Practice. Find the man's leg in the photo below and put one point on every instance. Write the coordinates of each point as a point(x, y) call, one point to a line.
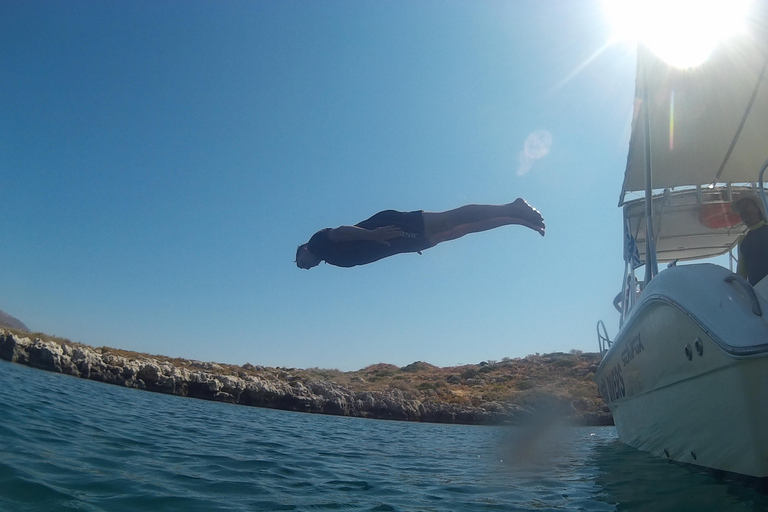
point(452, 224)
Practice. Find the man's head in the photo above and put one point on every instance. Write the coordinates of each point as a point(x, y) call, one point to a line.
point(748, 209)
point(305, 259)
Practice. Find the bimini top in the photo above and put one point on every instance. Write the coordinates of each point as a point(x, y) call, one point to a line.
point(707, 124)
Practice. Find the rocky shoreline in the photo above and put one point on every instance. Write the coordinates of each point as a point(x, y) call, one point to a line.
point(294, 390)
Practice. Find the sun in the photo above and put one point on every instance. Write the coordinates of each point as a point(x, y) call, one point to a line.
point(681, 32)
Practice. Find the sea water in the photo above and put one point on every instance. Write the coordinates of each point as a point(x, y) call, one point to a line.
point(69, 444)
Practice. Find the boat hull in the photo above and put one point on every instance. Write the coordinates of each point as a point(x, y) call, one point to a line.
point(687, 376)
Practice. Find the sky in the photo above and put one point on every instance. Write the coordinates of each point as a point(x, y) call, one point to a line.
point(161, 161)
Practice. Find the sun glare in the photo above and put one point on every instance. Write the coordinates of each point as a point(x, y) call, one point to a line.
point(682, 32)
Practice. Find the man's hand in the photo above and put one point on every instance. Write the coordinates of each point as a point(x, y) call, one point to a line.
point(384, 233)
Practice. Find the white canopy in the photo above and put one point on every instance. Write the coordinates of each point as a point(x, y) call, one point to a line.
point(708, 129)
point(708, 124)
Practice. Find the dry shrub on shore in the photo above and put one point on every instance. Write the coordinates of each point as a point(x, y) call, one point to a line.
point(511, 380)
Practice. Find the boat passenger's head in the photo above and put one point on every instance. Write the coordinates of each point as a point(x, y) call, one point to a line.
point(748, 209)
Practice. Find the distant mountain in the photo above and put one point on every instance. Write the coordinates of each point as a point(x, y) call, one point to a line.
point(7, 320)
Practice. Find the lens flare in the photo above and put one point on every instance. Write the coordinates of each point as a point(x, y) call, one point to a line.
point(681, 32)
point(672, 121)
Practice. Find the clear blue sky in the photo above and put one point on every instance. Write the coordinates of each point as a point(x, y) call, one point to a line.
point(161, 161)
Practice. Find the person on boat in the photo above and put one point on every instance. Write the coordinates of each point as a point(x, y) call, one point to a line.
point(391, 232)
point(753, 247)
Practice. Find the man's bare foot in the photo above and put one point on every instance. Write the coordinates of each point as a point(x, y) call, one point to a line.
point(527, 215)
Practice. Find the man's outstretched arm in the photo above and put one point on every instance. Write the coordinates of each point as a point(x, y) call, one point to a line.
point(349, 233)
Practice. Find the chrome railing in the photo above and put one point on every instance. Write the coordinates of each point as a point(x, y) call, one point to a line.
point(603, 341)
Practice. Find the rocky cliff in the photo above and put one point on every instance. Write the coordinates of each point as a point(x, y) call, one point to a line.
point(430, 394)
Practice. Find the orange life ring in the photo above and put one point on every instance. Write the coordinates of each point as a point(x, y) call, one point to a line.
point(718, 216)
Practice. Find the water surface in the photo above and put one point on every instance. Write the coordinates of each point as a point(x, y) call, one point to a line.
point(72, 444)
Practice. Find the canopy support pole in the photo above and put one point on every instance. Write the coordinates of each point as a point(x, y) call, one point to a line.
point(762, 189)
point(651, 265)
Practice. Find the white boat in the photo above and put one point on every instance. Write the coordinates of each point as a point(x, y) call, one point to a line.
point(686, 376)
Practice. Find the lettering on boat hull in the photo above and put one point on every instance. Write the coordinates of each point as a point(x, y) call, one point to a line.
point(612, 385)
point(633, 348)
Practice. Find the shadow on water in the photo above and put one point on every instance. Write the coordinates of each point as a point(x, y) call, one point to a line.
point(605, 474)
point(637, 481)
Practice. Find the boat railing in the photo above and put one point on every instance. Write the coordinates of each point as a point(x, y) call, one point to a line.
point(762, 187)
point(604, 342)
point(629, 294)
